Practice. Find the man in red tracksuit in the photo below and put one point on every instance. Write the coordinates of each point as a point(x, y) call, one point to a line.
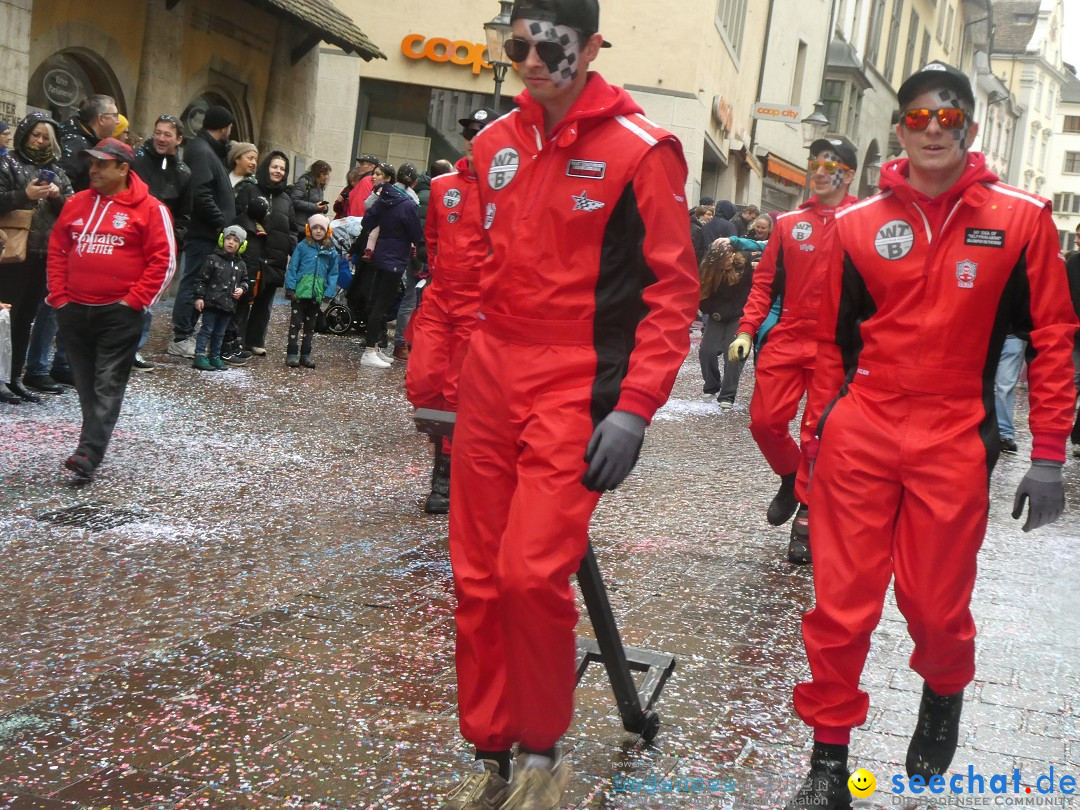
point(926, 280)
point(457, 245)
point(792, 268)
point(585, 308)
point(111, 255)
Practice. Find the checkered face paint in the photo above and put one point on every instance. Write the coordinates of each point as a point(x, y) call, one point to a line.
point(836, 179)
point(950, 99)
point(565, 70)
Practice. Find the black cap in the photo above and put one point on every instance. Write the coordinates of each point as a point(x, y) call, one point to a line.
point(842, 146)
point(936, 75)
point(367, 158)
point(482, 116)
point(581, 15)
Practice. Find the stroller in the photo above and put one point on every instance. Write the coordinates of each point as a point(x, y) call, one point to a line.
point(338, 317)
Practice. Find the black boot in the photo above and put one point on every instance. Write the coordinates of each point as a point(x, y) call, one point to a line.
point(934, 741)
point(783, 504)
point(17, 388)
point(826, 786)
point(8, 396)
point(438, 500)
point(798, 550)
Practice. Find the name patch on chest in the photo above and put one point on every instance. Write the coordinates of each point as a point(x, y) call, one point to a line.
point(984, 237)
point(589, 169)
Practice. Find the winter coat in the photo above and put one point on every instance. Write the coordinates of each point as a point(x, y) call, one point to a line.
point(16, 173)
point(278, 239)
point(213, 204)
point(74, 138)
point(169, 179)
point(306, 196)
point(396, 217)
point(718, 226)
point(313, 270)
point(219, 276)
point(727, 300)
point(107, 249)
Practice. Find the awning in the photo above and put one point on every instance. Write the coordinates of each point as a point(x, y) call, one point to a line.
point(752, 162)
point(327, 23)
point(782, 169)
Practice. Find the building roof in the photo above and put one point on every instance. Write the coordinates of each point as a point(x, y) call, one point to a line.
point(1070, 91)
point(1014, 25)
point(328, 22)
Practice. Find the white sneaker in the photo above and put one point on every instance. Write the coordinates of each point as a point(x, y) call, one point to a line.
point(258, 351)
point(384, 356)
point(182, 348)
point(725, 405)
point(373, 359)
point(538, 784)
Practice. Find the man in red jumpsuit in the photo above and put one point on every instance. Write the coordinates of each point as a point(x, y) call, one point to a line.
point(926, 280)
point(457, 246)
point(793, 267)
point(585, 309)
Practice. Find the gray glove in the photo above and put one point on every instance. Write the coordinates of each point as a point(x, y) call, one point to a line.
point(1044, 490)
point(613, 450)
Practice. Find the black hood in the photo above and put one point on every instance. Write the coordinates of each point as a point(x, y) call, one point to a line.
point(725, 209)
point(22, 131)
point(262, 174)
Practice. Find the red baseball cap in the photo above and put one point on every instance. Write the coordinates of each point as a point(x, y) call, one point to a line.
point(111, 149)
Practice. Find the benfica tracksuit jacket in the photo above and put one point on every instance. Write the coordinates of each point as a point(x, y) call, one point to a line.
point(793, 266)
point(439, 332)
point(585, 306)
point(920, 296)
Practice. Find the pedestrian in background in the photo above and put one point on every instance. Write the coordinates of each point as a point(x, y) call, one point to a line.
point(111, 255)
point(310, 280)
point(726, 277)
point(308, 194)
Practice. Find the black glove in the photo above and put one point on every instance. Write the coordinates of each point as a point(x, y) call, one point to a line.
point(1044, 490)
point(613, 450)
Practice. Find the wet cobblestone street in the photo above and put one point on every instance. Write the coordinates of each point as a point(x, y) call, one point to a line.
point(247, 608)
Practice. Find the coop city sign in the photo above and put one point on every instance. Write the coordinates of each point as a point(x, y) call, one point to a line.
point(440, 49)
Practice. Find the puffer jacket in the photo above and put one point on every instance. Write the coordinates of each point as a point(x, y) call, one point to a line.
point(74, 138)
point(395, 215)
point(306, 196)
point(278, 239)
point(16, 173)
point(313, 270)
point(219, 276)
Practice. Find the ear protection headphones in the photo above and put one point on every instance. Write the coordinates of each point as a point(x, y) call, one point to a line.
point(329, 231)
point(221, 244)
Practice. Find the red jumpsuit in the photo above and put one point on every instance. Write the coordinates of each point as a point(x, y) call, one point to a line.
point(457, 245)
point(792, 266)
point(920, 296)
point(585, 307)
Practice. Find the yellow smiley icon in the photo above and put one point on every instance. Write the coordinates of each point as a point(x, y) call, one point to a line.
point(861, 783)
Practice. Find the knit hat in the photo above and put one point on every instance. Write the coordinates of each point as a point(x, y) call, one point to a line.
point(318, 219)
point(121, 126)
point(4, 126)
point(238, 148)
point(217, 117)
point(235, 231)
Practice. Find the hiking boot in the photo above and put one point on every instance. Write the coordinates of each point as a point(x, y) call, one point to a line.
point(934, 741)
point(1008, 445)
point(202, 363)
point(218, 363)
point(80, 464)
point(826, 786)
point(139, 364)
point(184, 347)
point(42, 383)
point(438, 500)
point(306, 361)
point(401, 352)
point(482, 789)
point(538, 783)
point(798, 550)
point(783, 504)
point(292, 360)
point(373, 359)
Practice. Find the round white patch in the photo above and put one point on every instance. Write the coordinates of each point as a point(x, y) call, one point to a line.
point(894, 240)
point(480, 115)
point(503, 168)
point(489, 215)
point(451, 198)
point(801, 231)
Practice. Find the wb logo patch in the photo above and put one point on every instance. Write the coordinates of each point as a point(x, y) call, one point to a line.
point(894, 240)
point(503, 168)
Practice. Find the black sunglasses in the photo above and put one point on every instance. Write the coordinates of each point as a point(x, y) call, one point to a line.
point(469, 134)
point(550, 53)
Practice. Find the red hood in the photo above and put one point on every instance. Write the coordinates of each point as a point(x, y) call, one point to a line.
point(597, 100)
point(464, 168)
point(894, 177)
point(134, 194)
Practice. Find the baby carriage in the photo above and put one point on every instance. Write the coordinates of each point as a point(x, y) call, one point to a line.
point(338, 317)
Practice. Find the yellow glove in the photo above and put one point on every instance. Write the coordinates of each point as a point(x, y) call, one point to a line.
point(740, 347)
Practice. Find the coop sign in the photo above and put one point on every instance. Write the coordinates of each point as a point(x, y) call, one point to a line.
point(440, 49)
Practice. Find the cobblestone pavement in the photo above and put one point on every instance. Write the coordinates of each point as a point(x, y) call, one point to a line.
point(247, 609)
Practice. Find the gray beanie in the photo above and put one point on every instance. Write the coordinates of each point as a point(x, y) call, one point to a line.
point(237, 231)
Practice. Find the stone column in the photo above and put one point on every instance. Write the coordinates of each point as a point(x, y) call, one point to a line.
point(288, 120)
point(160, 85)
point(14, 58)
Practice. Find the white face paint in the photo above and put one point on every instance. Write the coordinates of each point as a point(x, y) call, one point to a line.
point(565, 70)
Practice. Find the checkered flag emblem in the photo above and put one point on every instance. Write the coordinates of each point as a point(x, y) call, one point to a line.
point(564, 69)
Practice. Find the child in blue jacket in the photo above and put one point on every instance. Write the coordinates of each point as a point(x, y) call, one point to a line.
point(310, 279)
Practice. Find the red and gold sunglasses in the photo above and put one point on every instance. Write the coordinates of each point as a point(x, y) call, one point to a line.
point(948, 117)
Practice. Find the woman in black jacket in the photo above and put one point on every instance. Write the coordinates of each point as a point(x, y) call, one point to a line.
point(30, 179)
point(275, 243)
point(308, 194)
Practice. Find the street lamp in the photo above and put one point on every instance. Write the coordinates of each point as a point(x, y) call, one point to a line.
point(497, 31)
point(873, 172)
point(815, 125)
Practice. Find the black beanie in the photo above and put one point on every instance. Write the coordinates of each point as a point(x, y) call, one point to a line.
point(217, 117)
